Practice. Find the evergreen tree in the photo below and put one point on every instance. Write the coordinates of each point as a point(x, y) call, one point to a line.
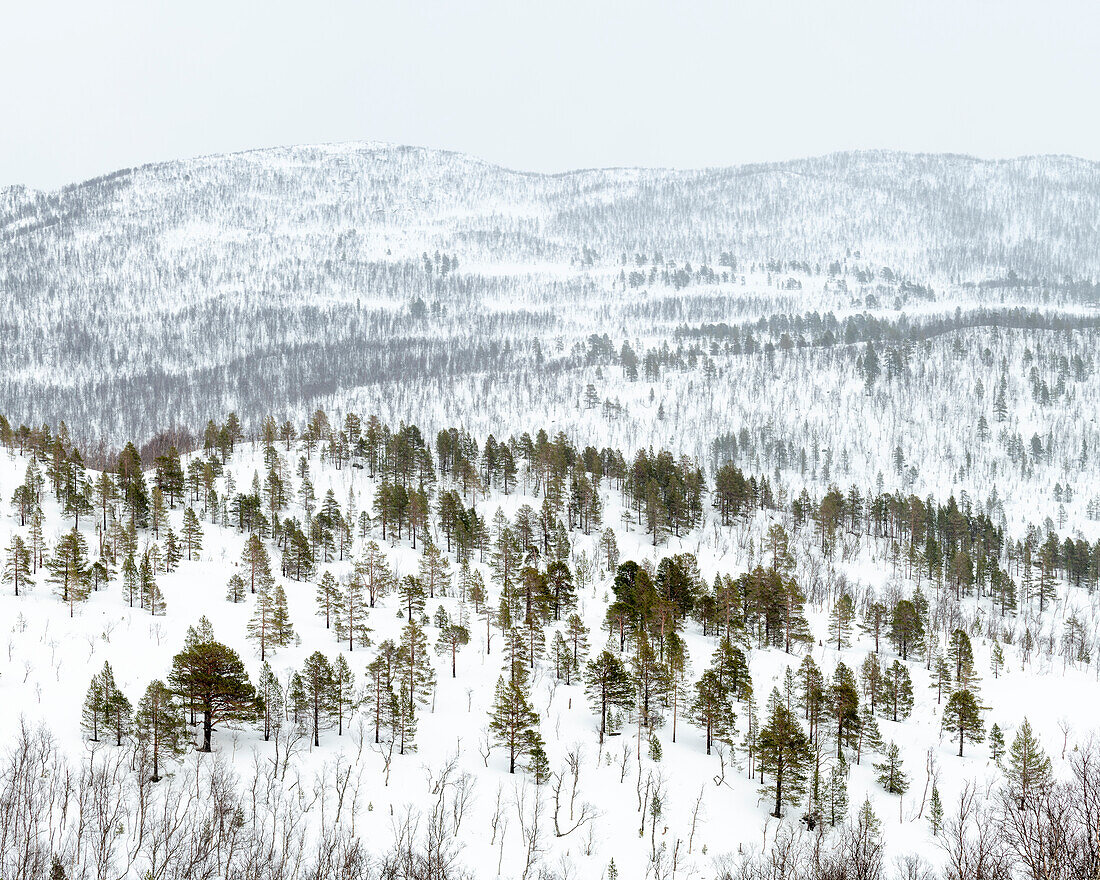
point(840, 622)
point(159, 728)
point(1029, 770)
point(344, 701)
point(906, 628)
point(172, 553)
point(282, 631)
point(414, 667)
point(106, 708)
point(17, 565)
point(609, 687)
point(562, 657)
point(962, 718)
point(257, 564)
point(899, 691)
point(961, 656)
point(577, 636)
point(513, 723)
point(711, 708)
point(941, 677)
point(92, 720)
point(935, 812)
point(329, 598)
point(411, 591)
point(234, 589)
point(379, 694)
point(269, 694)
point(997, 659)
point(261, 624)
point(844, 705)
point(191, 534)
point(315, 694)
point(435, 571)
point(996, 744)
point(213, 680)
point(452, 637)
point(351, 624)
point(68, 569)
point(870, 738)
point(836, 793)
point(784, 753)
point(151, 596)
point(889, 772)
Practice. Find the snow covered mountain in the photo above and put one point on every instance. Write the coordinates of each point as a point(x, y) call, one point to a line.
point(269, 280)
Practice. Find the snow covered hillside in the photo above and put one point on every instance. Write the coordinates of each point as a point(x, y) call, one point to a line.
point(274, 279)
point(530, 657)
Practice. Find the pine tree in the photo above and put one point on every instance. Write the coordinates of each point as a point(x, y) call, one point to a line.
point(844, 705)
point(329, 598)
point(172, 553)
point(235, 589)
point(836, 793)
point(906, 628)
point(935, 812)
point(403, 719)
point(106, 708)
point(381, 677)
point(840, 622)
point(961, 656)
point(711, 708)
point(997, 659)
point(576, 634)
point(899, 691)
point(414, 667)
point(191, 534)
point(1029, 770)
point(315, 695)
point(889, 772)
point(784, 753)
point(435, 571)
point(374, 573)
point(68, 569)
point(282, 630)
point(17, 566)
point(962, 718)
point(260, 625)
point(870, 738)
point(941, 677)
point(996, 744)
point(257, 565)
point(562, 657)
point(151, 596)
point(92, 720)
point(343, 692)
point(159, 728)
point(513, 723)
point(609, 687)
point(411, 591)
point(871, 681)
point(452, 637)
point(351, 624)
point(269, 694)
point(213, 680)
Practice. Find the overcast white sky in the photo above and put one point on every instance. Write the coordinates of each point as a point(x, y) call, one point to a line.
point(88, 86)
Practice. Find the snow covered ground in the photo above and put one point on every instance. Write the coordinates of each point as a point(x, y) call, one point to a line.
point(49, 658)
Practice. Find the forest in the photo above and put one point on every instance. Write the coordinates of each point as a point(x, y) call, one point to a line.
point(326, 604)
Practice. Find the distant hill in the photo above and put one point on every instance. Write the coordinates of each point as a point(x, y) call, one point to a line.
point(205, 268)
